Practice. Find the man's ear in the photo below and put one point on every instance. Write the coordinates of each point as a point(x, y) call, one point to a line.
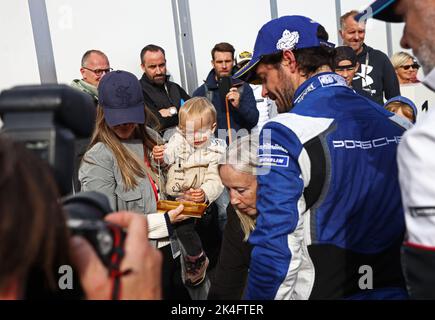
point(82, 71)
point(356, 66)
point(340, 32)
point(289, 59)
point(142, 66)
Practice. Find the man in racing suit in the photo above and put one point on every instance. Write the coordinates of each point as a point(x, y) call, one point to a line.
point(330, 220)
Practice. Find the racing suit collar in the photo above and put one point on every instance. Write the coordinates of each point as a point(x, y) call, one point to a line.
point(323, 79)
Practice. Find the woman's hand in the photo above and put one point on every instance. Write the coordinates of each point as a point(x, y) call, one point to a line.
point(158, 153)
point(175, 214)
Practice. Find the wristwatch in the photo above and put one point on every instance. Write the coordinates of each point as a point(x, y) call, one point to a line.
point(173, 110)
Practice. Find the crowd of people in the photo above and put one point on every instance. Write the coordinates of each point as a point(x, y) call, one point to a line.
point(306, 156)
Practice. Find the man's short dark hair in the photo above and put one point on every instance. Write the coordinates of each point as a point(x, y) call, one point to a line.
point(223, 47)
point(152, 48)
point(307, 59)
point(89, 52)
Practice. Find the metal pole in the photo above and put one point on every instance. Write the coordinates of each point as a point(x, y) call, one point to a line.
point(187, 43)
point(389, 40)
point(179, 44)
point(42, 39)
point(273, 9)
point(338, 15)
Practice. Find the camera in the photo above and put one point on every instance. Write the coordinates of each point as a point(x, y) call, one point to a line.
point(85, 217)
point(50, 120)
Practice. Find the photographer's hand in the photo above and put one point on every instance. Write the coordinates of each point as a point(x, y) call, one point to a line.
point(144, 261)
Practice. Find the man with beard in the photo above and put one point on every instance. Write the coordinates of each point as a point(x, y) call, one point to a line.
point(376, 76)
point(242, 112)
point(330, 221)
point(416, 152)
point(162, 97)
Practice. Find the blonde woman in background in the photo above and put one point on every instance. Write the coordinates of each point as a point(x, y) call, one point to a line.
point(238, 173)
point(406, 67)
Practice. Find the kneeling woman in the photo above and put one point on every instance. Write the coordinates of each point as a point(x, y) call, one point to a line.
point(238, 174)
point(117, 164)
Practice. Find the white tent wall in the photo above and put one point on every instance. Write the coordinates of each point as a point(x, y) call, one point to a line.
point(236, 22)
point(314, 9)
point(118, 28)
point(121, 29)
point(18, 63)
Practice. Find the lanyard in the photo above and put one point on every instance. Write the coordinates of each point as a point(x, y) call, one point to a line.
point(153, 184)
point(367, 67)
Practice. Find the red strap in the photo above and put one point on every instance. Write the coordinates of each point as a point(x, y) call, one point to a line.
point(153, 184)
point(419, 246)
point(114, 271)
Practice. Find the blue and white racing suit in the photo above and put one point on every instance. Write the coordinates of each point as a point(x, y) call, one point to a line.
point(330, 221)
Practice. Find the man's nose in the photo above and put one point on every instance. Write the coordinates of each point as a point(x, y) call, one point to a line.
point(264, 91)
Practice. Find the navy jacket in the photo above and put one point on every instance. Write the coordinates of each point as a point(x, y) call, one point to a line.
point(380, 76)
point(243, 117)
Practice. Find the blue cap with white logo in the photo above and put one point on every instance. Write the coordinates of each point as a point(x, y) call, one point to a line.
point(284, 33)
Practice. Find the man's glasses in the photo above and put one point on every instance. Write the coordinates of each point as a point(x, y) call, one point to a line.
point(413, 66)
point(99, 72)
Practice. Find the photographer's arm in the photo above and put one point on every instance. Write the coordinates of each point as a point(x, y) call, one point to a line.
point(144, 262)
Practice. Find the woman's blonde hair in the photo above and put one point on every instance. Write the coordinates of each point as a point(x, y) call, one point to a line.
point(129, 164)
point(242, 156)
point(400, 58)
point(197, 106)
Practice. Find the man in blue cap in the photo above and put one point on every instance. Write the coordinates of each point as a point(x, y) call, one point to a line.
point(330, 222)
point(415, 155)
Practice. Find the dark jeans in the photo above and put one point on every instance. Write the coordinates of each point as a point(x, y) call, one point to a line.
point(188, 237)
point(173, 287)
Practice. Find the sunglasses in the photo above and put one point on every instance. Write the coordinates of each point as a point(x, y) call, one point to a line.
point(413, 66)
point(343, 68)
point(99, 72)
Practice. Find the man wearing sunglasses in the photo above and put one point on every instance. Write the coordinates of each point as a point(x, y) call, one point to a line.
point(95, 65)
